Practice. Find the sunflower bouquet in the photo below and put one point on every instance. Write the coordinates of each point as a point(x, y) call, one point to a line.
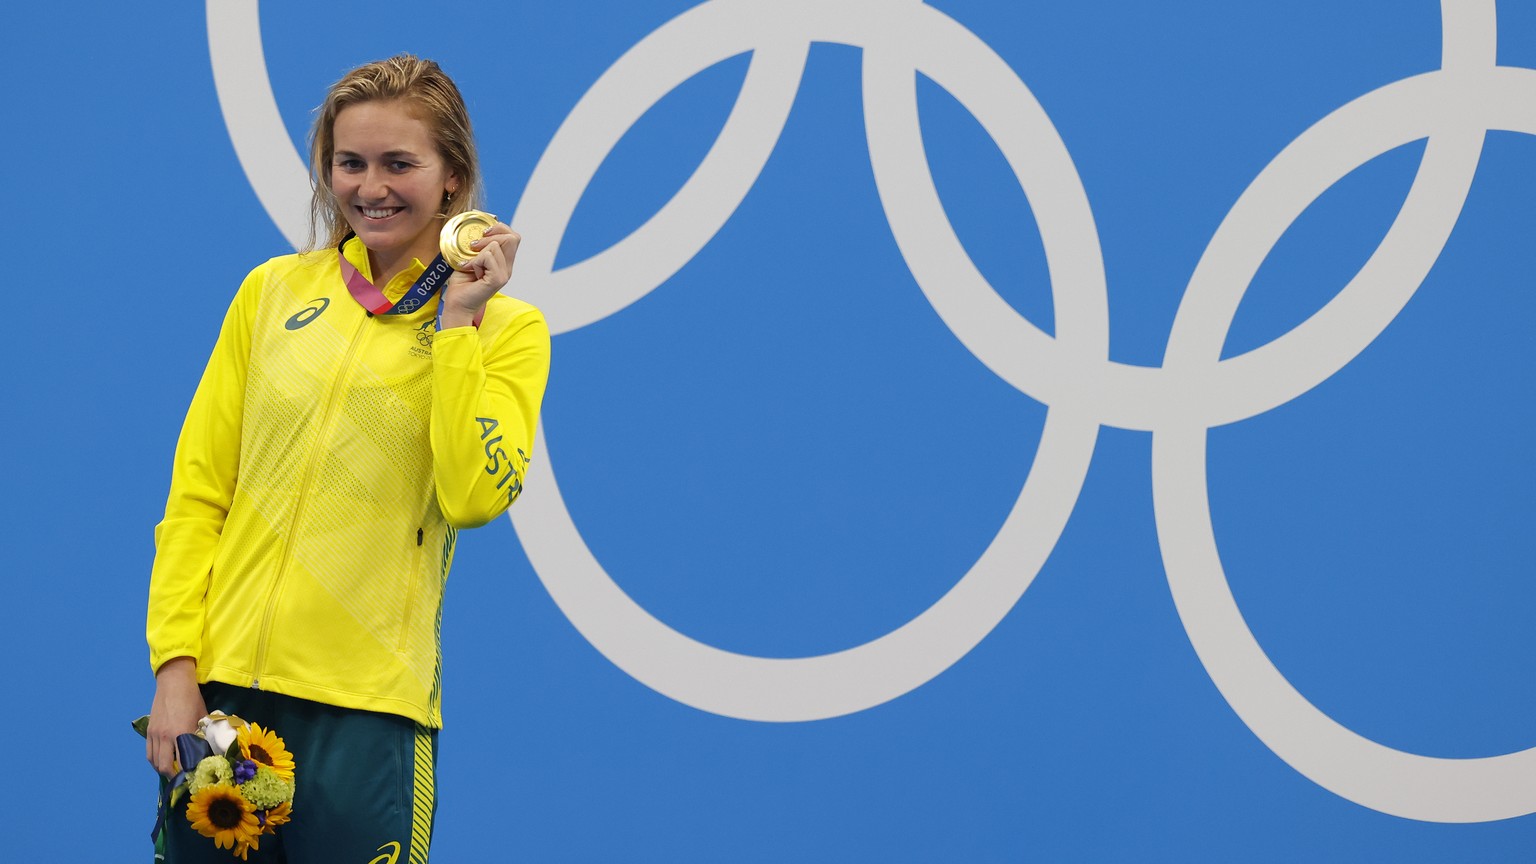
point(239, 779)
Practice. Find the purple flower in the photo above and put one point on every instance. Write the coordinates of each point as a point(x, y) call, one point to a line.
point(245, 769)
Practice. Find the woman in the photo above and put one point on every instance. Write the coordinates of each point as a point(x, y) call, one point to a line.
point(359, 408)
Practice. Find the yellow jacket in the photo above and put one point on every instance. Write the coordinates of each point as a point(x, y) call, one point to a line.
point(327, 460)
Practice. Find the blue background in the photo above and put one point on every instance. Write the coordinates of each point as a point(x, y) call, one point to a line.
point(782, 451)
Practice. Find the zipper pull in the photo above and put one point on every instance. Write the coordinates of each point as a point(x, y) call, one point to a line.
point(418, 536)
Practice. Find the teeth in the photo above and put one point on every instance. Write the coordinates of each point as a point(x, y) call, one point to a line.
point(379, 214)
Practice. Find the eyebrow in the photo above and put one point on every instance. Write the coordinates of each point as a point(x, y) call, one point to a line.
point(388, 154)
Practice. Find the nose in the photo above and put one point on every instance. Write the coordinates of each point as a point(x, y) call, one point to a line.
point(375, 186)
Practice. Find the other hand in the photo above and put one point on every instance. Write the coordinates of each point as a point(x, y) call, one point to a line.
point(177, 707)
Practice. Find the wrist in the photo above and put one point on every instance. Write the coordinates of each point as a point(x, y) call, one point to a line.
point(454, 316)
point(184, 668)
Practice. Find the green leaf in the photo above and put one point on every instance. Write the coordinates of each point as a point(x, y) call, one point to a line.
point(141, 726)
point(233, 754)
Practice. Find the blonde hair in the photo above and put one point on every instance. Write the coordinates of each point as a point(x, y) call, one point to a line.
point(426, 89)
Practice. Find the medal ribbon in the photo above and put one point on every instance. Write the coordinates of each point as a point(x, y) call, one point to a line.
point(371, 298)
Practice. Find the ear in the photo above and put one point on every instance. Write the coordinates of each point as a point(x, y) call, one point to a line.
point(453, 184)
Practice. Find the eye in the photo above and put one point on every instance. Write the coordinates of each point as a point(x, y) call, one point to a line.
point(398, 166)
point(348, 164)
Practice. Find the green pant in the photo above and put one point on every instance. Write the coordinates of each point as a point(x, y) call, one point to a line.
point(364, 792)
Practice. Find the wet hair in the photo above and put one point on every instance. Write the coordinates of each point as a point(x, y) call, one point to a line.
point(431, 97)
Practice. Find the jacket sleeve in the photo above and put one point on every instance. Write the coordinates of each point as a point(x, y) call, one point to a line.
point(485, 408)
point(203, 477)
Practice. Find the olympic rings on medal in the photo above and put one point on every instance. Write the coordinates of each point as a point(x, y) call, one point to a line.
point(1192, 391)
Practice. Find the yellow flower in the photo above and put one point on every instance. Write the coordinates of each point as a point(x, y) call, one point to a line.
point(221, 813)
point(265, 748)
point(277, 816)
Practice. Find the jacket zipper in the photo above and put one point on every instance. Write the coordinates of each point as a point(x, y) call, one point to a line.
point(321, 436)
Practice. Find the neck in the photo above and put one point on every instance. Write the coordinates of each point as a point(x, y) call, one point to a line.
point(385, 265)
point(386, 268)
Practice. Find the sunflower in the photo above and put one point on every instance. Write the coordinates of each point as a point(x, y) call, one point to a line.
point(277, 817)
point(221, 813)
point(263, 747)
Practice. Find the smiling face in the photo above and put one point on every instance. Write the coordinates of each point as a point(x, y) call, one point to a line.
point(389, 179)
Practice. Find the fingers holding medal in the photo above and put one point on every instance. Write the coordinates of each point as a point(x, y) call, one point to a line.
point(480, 248)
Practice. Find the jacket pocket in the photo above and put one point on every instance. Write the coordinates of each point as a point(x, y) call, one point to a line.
point(412, 587)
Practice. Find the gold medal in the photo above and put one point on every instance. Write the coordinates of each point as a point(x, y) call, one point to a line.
point(459, 232)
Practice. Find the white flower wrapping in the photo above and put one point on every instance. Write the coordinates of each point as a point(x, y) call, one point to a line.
point(218, 731)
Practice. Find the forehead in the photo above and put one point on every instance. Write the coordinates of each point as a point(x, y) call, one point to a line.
point(369, 127)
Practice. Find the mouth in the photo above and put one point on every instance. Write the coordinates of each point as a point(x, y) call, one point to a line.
point(378, 214)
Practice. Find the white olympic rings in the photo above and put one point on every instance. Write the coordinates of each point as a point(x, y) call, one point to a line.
point(1193, 391)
